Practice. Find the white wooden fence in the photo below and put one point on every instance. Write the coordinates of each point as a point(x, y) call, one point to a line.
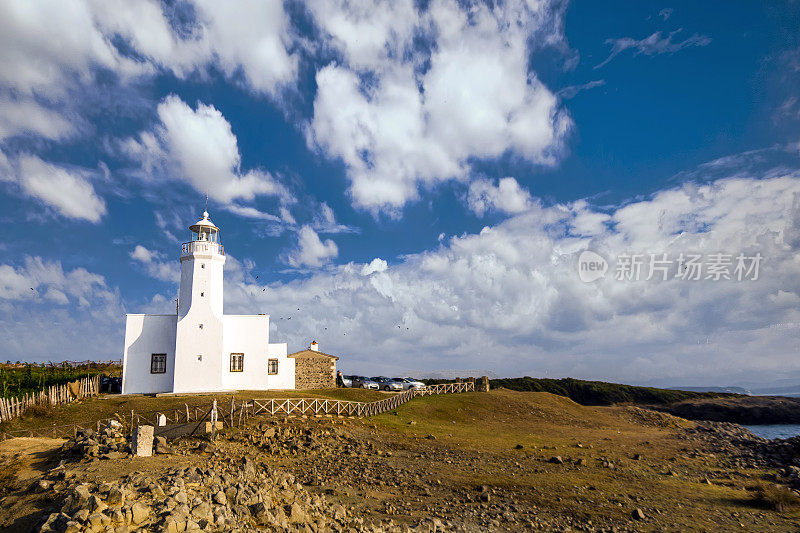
point(321, 406)
point(11, 408)
point(237, 414)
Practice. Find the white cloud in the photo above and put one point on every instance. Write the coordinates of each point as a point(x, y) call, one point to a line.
point(37, 276)
point(507, 197)
point(48, 313)
point(46, 43)
point(570, 92)
point(324, 221)
point(655, 44)
point(67, 191)
point(14, 285)
point(26, 116)
point(510, 298)
point(402, 119)
point(154, 264)
point(368, 34)
point(199, 147)
point(250, 37)
point(310, 250)
point(376, 265)
point(57, 53)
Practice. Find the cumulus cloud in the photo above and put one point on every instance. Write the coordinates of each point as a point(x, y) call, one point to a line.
point(376, 265)
point(403, 117)
point(67, 191)
point(510, 298)
point(154, 264)
point(198, 146)
point(653, 45)
point(37, 278)
point(311, 251)
point(49, 313)
point(506, 197)
point(57, 54)
point(48, 43)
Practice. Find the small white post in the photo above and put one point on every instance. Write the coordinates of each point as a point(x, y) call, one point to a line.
point(214, 419)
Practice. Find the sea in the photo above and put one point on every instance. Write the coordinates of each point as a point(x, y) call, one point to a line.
point(775, 431)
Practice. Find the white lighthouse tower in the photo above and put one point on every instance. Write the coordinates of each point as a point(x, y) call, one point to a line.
point(198, 343)
point(200, 349)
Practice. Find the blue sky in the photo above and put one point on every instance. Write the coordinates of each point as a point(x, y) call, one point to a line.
point(417, 178)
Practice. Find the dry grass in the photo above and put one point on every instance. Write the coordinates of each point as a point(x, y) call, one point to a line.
point(547, 425)
point(775, 497)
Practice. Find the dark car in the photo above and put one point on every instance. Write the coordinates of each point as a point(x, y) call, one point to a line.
point(110, 384)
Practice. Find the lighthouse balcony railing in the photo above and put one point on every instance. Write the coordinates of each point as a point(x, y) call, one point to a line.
point(192, 247)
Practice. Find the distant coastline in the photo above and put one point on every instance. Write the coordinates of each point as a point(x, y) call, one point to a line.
point(721, 405)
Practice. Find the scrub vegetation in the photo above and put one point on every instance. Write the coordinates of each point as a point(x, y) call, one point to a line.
point(17, 379)
point(596, 392)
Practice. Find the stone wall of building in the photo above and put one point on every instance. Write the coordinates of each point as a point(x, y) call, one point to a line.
point(314, 372)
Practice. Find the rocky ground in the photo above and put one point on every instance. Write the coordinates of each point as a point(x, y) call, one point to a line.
point(741, 449)
point(460, 464)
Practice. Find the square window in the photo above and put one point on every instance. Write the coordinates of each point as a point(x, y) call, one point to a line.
point(237, 362)
point(202, 265)
point(200, 357)
point(202, 294)
point(201, 326)
point(272, 367)
point(158, 363)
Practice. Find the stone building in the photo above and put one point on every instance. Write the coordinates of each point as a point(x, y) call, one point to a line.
point(314, 369)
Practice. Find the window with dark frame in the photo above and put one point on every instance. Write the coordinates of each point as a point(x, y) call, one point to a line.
point(237, 362)
point(158, 363)
point(272, 367)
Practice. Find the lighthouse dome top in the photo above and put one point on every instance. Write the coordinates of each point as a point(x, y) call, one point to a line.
point(204, 225)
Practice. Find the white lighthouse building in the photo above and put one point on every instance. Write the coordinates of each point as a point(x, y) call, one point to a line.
point(200, 349)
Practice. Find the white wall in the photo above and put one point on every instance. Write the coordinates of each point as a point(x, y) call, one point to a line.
point(144, 336)
point(285, 377)
point(247, 334)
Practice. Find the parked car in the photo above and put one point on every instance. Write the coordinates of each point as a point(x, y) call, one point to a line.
point(361, 382)
point(347, 381)
point(110, 384)
point(387, 384)
point(409, 383)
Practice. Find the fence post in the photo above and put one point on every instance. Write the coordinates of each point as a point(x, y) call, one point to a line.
point(214, 419)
